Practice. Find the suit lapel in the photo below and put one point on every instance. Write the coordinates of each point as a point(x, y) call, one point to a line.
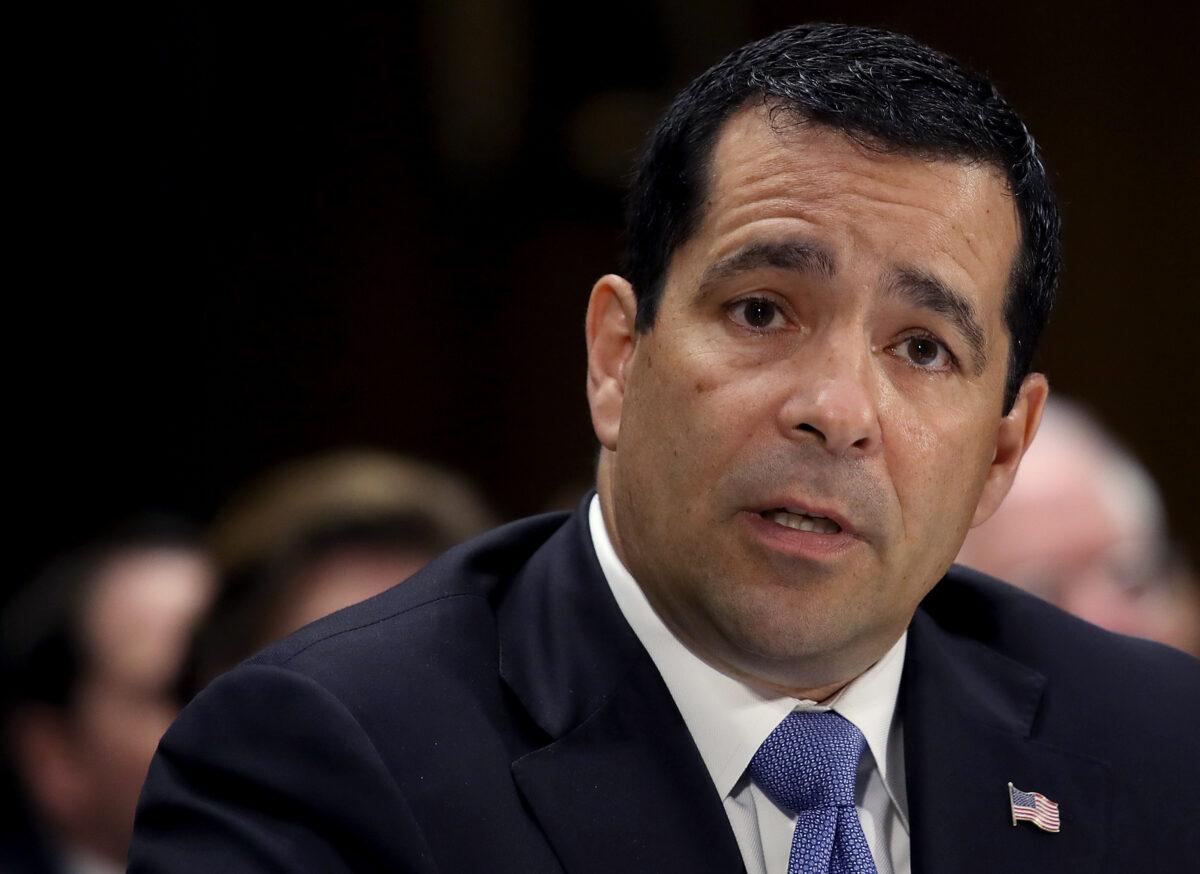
point(969, 728)
point(620, 785)
point(626, 790)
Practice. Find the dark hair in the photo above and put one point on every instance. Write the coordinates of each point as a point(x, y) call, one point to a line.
point(887, 91)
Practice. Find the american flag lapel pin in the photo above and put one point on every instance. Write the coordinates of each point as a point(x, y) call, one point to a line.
point(1033, 807)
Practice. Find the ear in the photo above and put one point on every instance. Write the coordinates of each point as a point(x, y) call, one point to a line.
point(611, 339)
point(1015, 433)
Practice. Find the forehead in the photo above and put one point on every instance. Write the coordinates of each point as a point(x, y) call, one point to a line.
point(771, 174)
point(142, 610)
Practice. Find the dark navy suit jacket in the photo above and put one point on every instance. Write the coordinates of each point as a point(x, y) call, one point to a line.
point(496, 713)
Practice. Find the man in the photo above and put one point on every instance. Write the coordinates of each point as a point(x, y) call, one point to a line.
point(1093, 534)
point(813, 378)
point(91, 651)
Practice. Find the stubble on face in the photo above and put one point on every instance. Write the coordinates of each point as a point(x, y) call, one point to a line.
point(773, 621)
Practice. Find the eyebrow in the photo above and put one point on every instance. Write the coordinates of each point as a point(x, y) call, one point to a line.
point(919, 287)
point(795, 255)
point(928, 292)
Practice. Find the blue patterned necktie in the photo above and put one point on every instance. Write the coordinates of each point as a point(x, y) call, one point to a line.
point(808, 765)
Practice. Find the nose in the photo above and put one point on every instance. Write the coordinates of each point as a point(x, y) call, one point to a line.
point(834, 400)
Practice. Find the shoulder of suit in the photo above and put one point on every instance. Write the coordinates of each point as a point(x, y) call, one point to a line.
point(1033, 632)
point(447, 605)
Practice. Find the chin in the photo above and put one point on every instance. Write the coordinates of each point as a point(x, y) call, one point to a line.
point(793, 647)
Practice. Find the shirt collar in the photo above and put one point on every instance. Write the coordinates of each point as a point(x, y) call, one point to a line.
point(728, 719)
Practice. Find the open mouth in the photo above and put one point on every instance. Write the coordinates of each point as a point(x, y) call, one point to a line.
point(801, 521)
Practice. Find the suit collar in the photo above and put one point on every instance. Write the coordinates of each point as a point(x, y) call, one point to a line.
point(619, 784)
point(564, 645)
point(970, 726)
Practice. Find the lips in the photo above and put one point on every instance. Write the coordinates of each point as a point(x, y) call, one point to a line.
point(800, 521)
point(799, 533)
point(807, 517)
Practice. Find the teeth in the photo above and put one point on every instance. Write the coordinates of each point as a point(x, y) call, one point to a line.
point(803, 522)
point(802, 513)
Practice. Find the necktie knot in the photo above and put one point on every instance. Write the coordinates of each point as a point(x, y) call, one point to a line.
point(810, 761)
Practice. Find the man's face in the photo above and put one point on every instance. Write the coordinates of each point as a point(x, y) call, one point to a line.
point(830, 343)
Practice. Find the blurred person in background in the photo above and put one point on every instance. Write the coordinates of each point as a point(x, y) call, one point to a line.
point(1084, 527)
point(91, 649)
point(316, 535)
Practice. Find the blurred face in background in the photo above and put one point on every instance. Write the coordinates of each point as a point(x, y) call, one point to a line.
point(143, 611)
point(1083, 529)
point(85, 767)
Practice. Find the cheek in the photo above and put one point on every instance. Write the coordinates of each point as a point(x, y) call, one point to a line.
point(938, 465)
point(692, 408)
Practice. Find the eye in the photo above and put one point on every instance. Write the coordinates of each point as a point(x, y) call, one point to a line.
point(757, 313)
point(925, 353)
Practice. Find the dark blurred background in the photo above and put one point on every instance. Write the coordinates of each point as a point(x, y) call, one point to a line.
point(251, 235)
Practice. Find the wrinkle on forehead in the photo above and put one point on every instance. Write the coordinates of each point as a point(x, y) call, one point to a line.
point(801, 171)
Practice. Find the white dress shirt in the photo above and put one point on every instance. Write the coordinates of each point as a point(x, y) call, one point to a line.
point(729, 721)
